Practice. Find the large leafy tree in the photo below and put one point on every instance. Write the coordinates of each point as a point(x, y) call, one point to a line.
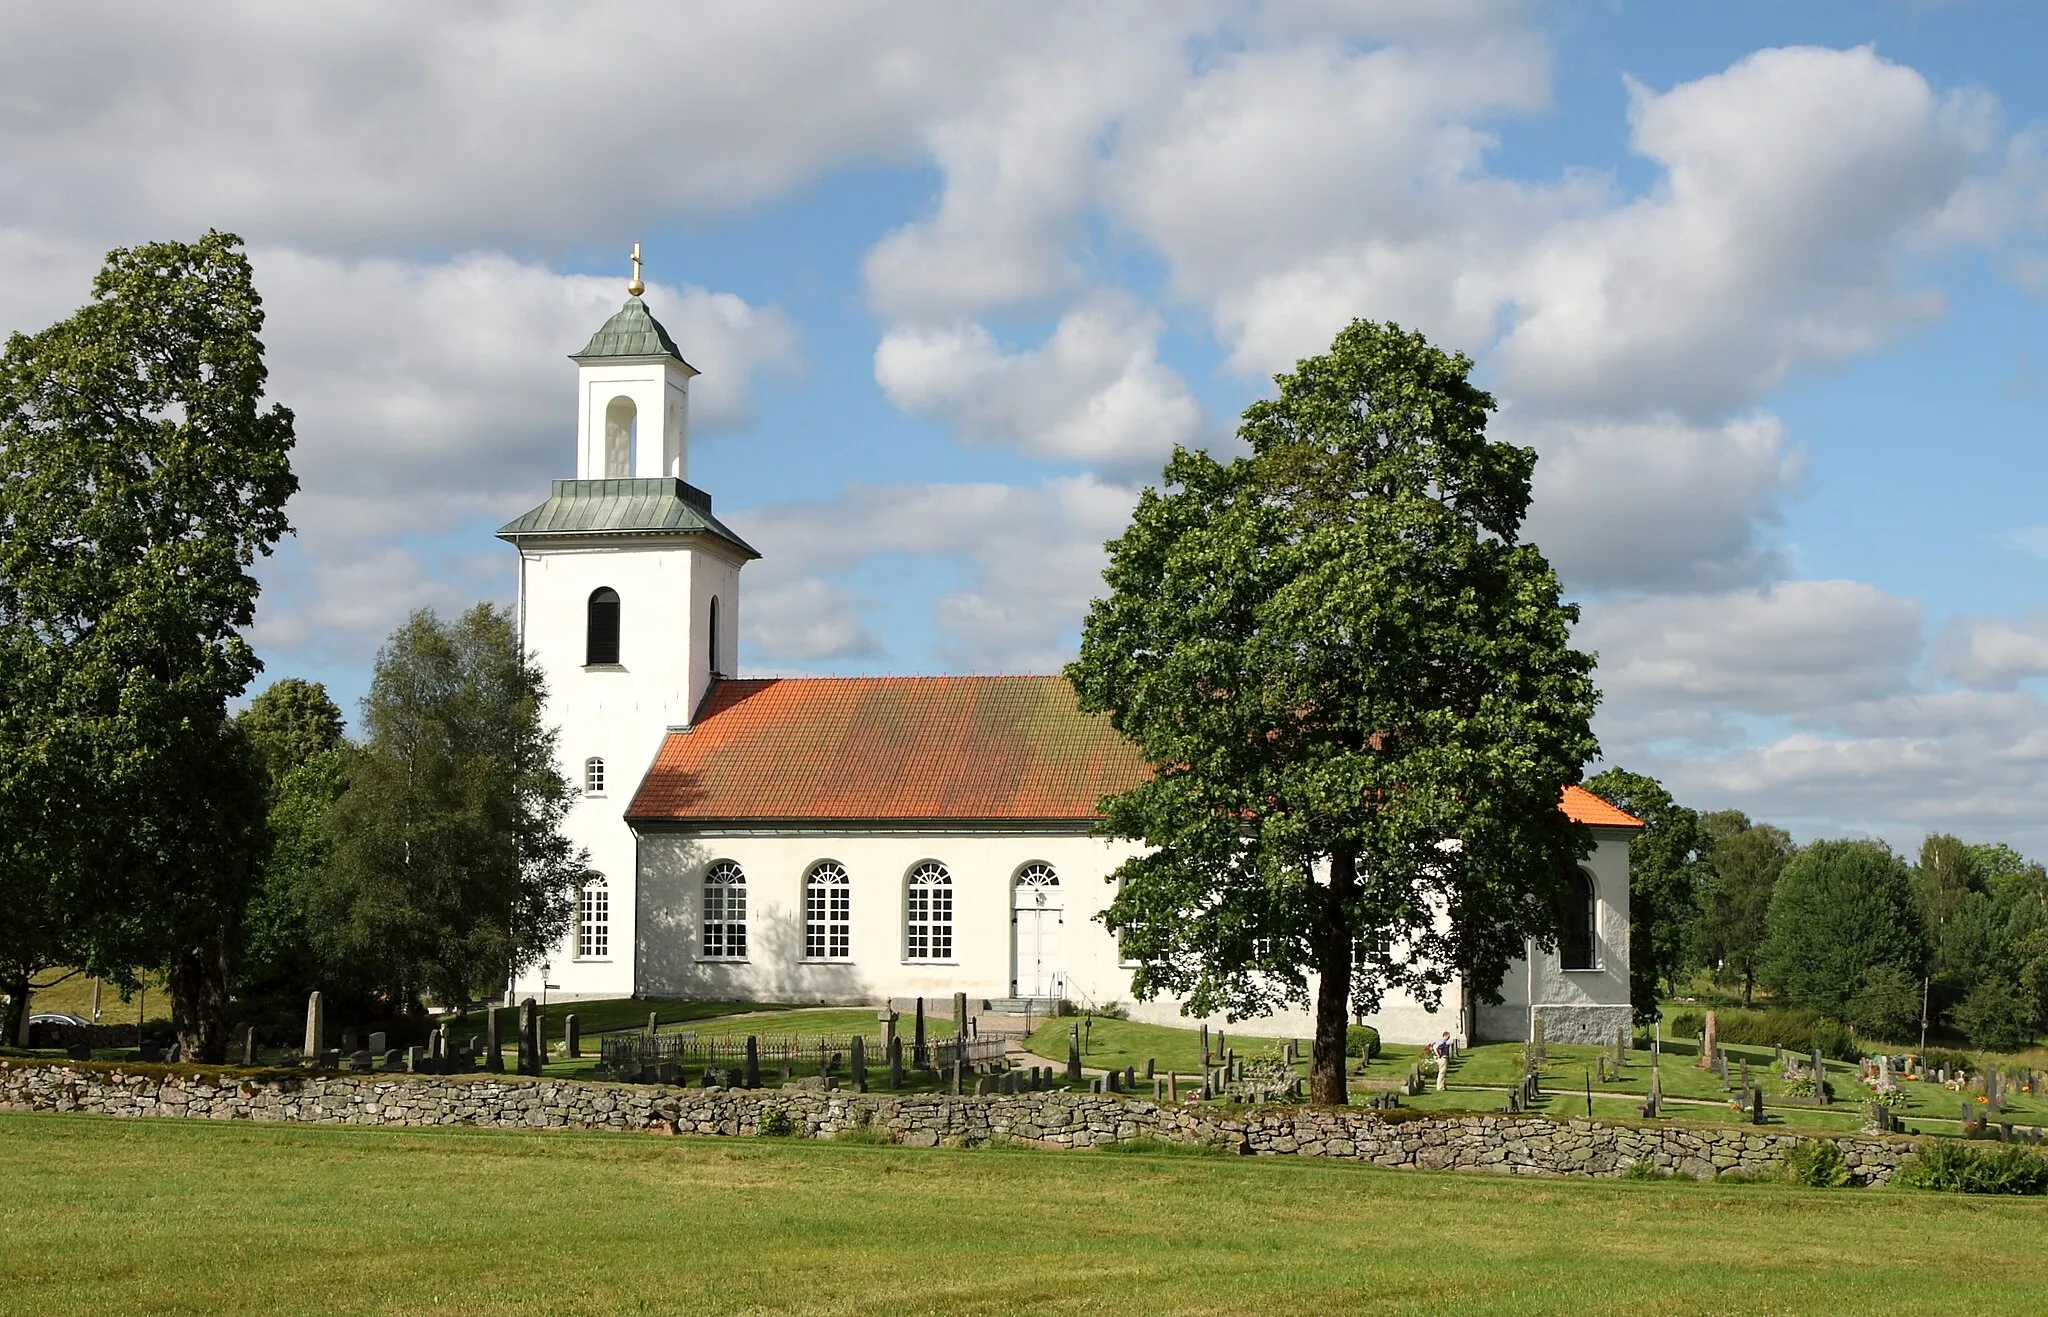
point(1357, 690)
point(1842, 909)
point(296, 731)
point(449, 867)
point(1744, 860)
point(1667, 867)
point(140, 478)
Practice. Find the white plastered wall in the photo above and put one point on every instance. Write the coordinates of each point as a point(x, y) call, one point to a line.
point(620, 713)
point(1541, 982)
point(659, 388)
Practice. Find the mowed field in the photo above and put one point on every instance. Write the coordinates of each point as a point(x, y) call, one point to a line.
point(175, 1217)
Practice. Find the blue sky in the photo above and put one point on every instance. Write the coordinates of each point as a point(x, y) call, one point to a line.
point(1764, 284)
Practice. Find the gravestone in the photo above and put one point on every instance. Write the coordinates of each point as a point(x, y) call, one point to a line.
point(960, 1019)
point(416, 1060)
point(249, 1045)
point(494, 1045)
point(1538, 1053)
point(752, 1074)
point(78, 1052)
point(394, 1059)
point(1710, 1038)
point(572, 1037)
point(378, 1043)
point(1205, 1047)
point(954, 1083)
point(1074, 1054)
point(1656, 1092)
point(1148, 1068)
point(1756, 1105)
point(1602, 1064)
point(360, 1060)
point(652, 1026)
point(886, 1017)
point(348, 1042)
point(530, 1054)
point(330, 1059)
point(1131, 1079)
point(1173, 1087)
point(1820, 1077)
point(1722, 1061)
point(1099, 1084)
point(1115, 1078)
point(316, 1026)
point(1745, 1076)
point(917, 1041)
point(859, 1049)
point(895, 1063)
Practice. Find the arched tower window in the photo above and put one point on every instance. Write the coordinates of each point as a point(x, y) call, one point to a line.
point(601, 637)
point(618, 438)
point(593, 776)
point(712, 643)
point(928, 912)
point(594, 919)
point(1575, 944)
point(725, 912)
point(828, 912)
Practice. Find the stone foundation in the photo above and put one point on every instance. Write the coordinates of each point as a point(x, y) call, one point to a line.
point(1597, 1026)
point(1504, 1145)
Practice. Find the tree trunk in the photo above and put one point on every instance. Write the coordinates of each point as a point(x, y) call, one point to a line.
point(199, 1002)
point(1332, 940)
point(14, 1031)
point(1748, 985)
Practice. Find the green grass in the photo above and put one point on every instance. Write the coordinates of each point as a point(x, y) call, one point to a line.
point(1114, 1044)
point(195, 1217)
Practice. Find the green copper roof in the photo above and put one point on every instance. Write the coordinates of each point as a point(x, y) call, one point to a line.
point(660, 506)
point(633, 332)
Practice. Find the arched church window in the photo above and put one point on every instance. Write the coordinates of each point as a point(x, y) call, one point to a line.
point(594, 919)
point(1575, 944)
point(618, 438)
point(828, 912)
point(712, 643)
point(601, 637)
point(1037, 875)
point(593, 776)
point(725, 912)
point(928, 921)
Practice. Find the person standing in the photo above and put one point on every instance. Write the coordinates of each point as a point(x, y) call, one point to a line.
point(1441, 1048)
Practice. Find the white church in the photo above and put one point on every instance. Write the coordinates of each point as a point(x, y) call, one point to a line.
point(856, 840)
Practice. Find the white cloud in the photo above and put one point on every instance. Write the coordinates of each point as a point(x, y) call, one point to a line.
point(1033, 559)
point(1659, 504)
point(806, 620)
point(1794, 647)
point(1095, 391)
point(1993, 653)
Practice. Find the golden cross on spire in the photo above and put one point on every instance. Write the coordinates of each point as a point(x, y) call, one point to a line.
point(636, 287)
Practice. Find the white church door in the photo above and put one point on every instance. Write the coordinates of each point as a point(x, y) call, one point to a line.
point(1036, 922)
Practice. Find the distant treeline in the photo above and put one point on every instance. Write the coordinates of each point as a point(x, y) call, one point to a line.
point(1848, 929)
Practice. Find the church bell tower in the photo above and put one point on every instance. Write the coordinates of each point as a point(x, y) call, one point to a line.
point(629, 603)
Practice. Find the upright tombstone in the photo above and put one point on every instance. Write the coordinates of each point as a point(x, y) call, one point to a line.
point(1205, 1048)
point(1149, 1074)
point(572, 1037)
point(1656, 1093)
point(1722, 1060)
point(249, 1045)
point(1710, 1038)
point(653, 1023)
point(895, 1062)
point(416, 1060)
point(530, 1054)
point(1538, 1053)
point(1116, 1081)
point(378, 1043)
point(1756, 1105)
point(752, 1074)
point(1131, 1078)
point(959, 1067)
point(859, 1063)
point(316, 1026)
point(960, 1019)
point(1820, 1077)
point(886, 1017)
point(494, 1043)
point(917, 1039)
point(1074, 1054)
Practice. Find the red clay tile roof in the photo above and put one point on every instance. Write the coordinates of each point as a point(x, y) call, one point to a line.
point(889, 748)
point(1582, 806)
point(906, 748)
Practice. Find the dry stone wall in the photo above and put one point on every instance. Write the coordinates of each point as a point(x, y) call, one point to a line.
point(1507, 1145)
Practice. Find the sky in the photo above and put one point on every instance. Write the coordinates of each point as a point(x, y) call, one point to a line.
point(1765, 286)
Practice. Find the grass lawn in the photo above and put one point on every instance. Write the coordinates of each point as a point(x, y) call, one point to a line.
point(178, 1217)
point(1114, 1044)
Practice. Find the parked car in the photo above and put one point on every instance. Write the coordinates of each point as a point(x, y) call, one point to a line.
point(59, 1017)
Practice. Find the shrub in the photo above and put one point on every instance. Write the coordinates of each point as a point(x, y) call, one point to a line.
point(1794, 1029)
point(1835, 1041)
point(1362, 1040)
point(1687, 1024)
point(1946, 1166)
point(775, 1123)
point(1889, 1004)
point(1993, 1016)
point(1816, 1163)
